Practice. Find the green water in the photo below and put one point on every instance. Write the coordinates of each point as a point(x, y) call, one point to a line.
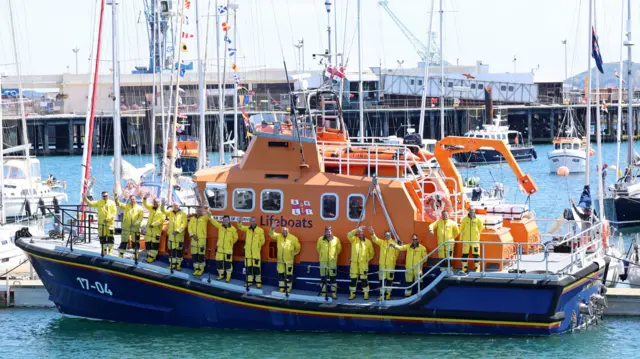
point(36, 333)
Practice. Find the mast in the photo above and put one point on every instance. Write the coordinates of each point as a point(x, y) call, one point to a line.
point(335, 29)
point(629, 44)
point(23, 118)
point(360, 98)
point(441, 77)
point(619, 120)
point(599, 137)
point(92, 97)
point(174, 140)
point(163, 45)
point(220, 94)
point(117, 131)
point(587, 125)
point(202, 141)
point(154, 57)
point(327, 4)
point(425, 80)
point(2, 212)
point(235, 86)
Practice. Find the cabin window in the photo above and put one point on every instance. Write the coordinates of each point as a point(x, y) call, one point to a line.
point(412, 82)
point(510, 88)
point(243, 200)
point(576, 146)
point(329, 206)
point(216, 198)
point(480, 86)
point(14, 173)
point(566, 146)
point(557, 147)
point(493, 137)
point(504, 136)
point(355, 204)
point(271, 201)
point(473, 86)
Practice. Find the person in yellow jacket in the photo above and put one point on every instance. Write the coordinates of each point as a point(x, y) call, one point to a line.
point(107, 211)
point(198, 233)
point(361, 253)
point(388, 257)
point(155, 220)
point(446, 231)
point(175, 233)
point(227, 237)
point(329, 247)
point(416, 252)
point(288, 247)
point(133, 216)
point(470, 230)
point(253, 242)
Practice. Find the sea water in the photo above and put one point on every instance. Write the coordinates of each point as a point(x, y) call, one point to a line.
point(35, 333)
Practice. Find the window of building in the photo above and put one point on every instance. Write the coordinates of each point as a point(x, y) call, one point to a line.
point(480, 86)
point(473, 86)
point(450, 84)
point(329, 206)
point(419, 82)
point(216, 197)
point(503, 88)
point(243, 199)
point(411, 82)
point(510, 88)
point(355, 205)
point(271, 201)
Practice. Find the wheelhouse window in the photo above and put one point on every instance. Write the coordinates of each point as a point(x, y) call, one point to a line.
point(243, 199)
point(329, 206)
point(271, 201)
point(566, 146)
point(355, 206)
point(576, 146)
point(216, 197)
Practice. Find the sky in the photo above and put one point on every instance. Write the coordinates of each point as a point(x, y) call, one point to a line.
point(491, 31)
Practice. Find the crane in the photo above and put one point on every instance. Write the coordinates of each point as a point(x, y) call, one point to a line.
point(434, 54)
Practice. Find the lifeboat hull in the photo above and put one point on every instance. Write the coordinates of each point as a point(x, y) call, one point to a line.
point(84, 284)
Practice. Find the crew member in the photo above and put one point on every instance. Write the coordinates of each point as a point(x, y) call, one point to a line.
point(416, 252)
point(133, 216)
point(361, 253)
point(387, 261)
point(288, 247)
point(155, 220)
point(253, 242)
point(447, 231)
point(329, 247)
point(470, 230)
point(227, 237)
point(198, 234)
point(175, 234)
point(106, 220)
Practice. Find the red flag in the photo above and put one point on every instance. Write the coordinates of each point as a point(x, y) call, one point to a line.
point(234, 67)
point(245, 116)
point(186, 35)
point(187, 4)
point(225, 26)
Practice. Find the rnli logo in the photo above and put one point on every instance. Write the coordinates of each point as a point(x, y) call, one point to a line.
point(298, 208)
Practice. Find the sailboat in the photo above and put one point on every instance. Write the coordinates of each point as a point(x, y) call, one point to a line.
point(569, 148)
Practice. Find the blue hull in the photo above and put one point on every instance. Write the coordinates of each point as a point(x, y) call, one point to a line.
point(102, 288)
point(493, 156)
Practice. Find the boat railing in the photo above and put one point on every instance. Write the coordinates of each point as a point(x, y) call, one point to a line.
point(583, 248)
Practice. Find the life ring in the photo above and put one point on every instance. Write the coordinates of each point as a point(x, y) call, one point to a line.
point(436, 204)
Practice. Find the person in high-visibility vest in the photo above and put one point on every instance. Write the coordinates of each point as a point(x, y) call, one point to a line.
point(106, 220)
point(253, 242)
point(227, 237)
point(329, 247)
point(198, 234)
point(361, 253)
point(446, 231)
point(470, 230)
point(288, 246)
point(133, 216)
point(387, 261)
point(155, 220)
point(175, 234)
point(416, 252)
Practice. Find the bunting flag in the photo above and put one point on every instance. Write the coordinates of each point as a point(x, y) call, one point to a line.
point(596, 50)
point(182, 71)
point(334, 72)
point(186, 35)
point(232, 51)
point(615, 72)
point(245, 115)
point(604, 107)
point(234, 67)
point(227, 39)
point(226, 26)
point(185, 20)
point(236, 79)
point(187, 4)
point(222, 9)
point(183, 47)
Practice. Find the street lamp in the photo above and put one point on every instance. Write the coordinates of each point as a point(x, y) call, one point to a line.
point(300, 47)
point(76, 50)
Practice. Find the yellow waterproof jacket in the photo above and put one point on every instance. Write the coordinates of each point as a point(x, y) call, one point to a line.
point(154, 220)
point(470, 229)
point(227, 237)
point(253, 241)
point(288, 247)
point(328, 250)
point(445, 230)
point(388, 255)
point(106, 212)
point(133, 216)
point(361, 251)
point(198, 227)
point(177, 221)
point(414, 255)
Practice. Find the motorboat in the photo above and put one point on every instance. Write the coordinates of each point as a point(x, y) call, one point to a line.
point(570, 148)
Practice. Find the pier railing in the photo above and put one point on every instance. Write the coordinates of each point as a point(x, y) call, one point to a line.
point(579, 250)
